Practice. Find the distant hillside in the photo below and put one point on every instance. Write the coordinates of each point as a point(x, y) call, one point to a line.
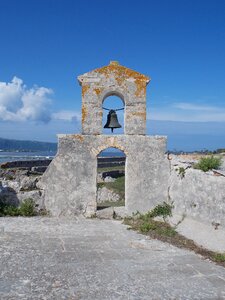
point(12, 145)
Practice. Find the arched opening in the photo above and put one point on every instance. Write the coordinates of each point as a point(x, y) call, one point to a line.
point(115, 103)
point(111, 178)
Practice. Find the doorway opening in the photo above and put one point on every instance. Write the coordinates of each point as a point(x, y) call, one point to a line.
point(111, 178)
point(116, 104)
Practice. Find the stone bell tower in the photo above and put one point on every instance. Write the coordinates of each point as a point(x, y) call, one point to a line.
point(70, 181)
point(117, 80)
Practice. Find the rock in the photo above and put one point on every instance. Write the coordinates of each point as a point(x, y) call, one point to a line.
point(99, 177)
point(35, 195)
point(28, 183)
point(106, 213)
point(120, 212)
point(39, 169)
point(109, 179)
point(105, 194)
point(15, 190)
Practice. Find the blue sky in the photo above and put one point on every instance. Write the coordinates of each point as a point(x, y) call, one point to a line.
point(46, 44)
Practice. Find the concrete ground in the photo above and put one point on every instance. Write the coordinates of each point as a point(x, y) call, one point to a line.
point(49, 258)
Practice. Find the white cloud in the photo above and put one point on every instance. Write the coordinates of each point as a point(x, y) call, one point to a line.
point(67, 115)
point(195, 107)
point(187, 112)
point(18, 103)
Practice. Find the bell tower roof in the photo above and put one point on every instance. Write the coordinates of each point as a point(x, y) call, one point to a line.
point(114, 69)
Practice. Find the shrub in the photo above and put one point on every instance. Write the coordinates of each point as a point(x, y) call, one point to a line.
point(145, 227)
point(10, 210)
point(161, 210)
point(208, 163)
point(27, 208)
point(181, 172)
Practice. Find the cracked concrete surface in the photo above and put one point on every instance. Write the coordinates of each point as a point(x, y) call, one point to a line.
point(50, 258)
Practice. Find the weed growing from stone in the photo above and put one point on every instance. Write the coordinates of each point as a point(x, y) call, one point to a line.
point(162, 210)
point(181, 172)
point(208, 163)
point(219, 257)
point(145, 224)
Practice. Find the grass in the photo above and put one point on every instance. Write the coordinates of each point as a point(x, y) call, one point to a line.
point(119, 168)
point(208, 163)
point(161, 230)
point(111, 204)
point(161, 210)
point(219, 257)
point(118, 186)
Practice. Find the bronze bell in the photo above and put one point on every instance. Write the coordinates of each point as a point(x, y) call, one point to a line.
point(112, 120)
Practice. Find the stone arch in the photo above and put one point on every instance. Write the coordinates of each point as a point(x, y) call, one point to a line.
point(113, 92)
point(110, 142)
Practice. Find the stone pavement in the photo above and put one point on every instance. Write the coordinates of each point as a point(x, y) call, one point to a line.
point(49, 258)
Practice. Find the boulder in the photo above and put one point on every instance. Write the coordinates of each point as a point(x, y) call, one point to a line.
point(28, 183)
point(109, 179)
point(106, 213)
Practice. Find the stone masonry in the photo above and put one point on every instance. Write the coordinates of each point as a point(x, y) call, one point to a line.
point(69, 183)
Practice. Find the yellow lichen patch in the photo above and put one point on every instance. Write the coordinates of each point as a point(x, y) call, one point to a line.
point(140, 88)
point(84, 113)
point(142, 115)
point(78, 136)
point(121, 73)
point(97, 91)
point(85, 88)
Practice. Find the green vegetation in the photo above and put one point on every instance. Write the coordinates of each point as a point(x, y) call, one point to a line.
point(219, 257)
point(181, 171)
point(145, 224)
point(162, 210)
point(118, 186)
point(26, 209)
point(218, 151)
point(115, 168)
point(208, 163)
point(111, 203)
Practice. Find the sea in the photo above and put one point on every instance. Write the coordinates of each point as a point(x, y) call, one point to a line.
point(6, 156)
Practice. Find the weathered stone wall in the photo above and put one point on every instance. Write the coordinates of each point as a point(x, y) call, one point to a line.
point(70, 180)
point(198, 195)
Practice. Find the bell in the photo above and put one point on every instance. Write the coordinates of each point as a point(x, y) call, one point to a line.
point(112, 121)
